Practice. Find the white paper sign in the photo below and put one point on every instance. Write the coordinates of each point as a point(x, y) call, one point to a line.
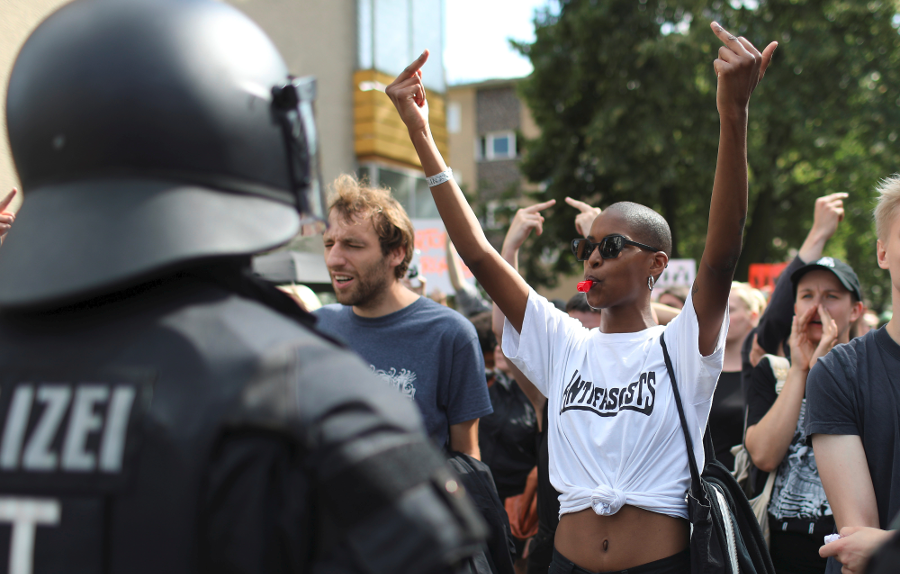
point(679, 272)
point(431, 253)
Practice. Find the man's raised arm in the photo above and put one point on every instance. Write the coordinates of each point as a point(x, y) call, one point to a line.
point(739, 68)
point(502, 283)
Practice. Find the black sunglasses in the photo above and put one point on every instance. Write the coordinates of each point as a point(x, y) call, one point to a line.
point(610, 247)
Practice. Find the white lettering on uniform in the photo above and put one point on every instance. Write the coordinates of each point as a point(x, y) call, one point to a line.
point(26, 514)
point(16, 422)
point(113, 446)
point(38, 455)
point(86, 417)
point(82, 422)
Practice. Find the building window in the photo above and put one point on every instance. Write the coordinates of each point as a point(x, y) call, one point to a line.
point(454, 117)
point(407, 186)
point(496, 145)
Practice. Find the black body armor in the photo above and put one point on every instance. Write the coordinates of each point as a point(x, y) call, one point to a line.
point(177, 427)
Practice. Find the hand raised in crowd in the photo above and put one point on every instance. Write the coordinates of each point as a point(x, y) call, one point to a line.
point(829, 212)
point(407, 92)
point(855, 546)
point(6, 217)
point(586, 216)
point(526, 219)
point(739, 69)
point(804, 353)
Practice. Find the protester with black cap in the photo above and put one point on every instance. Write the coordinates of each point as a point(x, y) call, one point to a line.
point(160, 410)
point(854, 403)
point(826, 301)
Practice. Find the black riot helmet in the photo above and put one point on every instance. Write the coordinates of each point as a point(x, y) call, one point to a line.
point(148, 134)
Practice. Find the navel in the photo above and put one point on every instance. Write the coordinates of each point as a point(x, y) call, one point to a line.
point(605, 545)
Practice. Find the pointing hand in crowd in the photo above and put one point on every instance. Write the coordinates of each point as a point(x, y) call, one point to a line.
point(526, 219)
point(739, 68)
point(407, 92)
point(6, 217)
point(586, 216)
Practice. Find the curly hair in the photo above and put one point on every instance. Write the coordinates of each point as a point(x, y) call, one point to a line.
point(354, 200)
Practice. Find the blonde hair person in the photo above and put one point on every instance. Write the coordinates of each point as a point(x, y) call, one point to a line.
point(726, 418)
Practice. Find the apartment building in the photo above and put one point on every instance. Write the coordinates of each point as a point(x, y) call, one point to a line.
point(353, 47)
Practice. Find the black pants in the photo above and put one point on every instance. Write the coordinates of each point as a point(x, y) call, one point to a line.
point(677, 564)
point(796, 552)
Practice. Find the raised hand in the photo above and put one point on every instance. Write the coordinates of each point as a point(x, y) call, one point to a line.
point(829, 336)
point(407, 92)
point(739, 68)
point(7, 218)
point(828, 213)
point(526, 219)
point(586, 216)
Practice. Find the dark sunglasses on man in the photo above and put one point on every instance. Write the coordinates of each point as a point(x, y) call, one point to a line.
point(610, 247)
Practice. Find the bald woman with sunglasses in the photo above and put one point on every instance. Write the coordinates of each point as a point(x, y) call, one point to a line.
point(617, 455)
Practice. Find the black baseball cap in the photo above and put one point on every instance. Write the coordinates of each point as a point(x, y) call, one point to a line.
point(841, 270)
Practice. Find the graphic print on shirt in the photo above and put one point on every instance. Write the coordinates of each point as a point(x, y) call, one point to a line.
point(798, 490)
point(401, 381)
point(582, 395)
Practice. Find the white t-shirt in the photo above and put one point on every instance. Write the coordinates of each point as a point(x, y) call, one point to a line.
point(614, 433)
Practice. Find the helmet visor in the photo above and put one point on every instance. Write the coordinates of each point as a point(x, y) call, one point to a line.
point(295, 101)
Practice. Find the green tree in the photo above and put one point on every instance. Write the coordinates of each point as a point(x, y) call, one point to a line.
point(624, 94)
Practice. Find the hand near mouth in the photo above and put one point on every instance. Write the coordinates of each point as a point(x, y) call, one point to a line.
point(829, 336)
point(802, 349)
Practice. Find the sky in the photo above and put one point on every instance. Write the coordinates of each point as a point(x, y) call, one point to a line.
point(477, 31)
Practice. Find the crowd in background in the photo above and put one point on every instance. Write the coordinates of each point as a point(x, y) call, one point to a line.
point(759, 407)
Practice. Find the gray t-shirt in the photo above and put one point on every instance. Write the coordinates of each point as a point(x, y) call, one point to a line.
point(429, 353)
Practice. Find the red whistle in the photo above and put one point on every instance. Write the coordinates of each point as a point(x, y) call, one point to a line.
point(585, 286)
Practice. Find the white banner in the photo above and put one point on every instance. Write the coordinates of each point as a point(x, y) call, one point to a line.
point(431, 255)
point(679, 272)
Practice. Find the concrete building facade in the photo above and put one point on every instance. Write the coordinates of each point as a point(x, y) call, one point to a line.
point(353, 47)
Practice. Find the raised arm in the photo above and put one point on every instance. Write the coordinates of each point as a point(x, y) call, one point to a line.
point(506, 287)
point(739, 69)
point(525, 220)
point(775, 324)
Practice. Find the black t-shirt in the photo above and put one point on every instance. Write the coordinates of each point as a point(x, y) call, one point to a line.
point(507, 438)
point(726, 418)
point(850, 392)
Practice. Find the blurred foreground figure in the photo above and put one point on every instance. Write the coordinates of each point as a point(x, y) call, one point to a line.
point(160, 410)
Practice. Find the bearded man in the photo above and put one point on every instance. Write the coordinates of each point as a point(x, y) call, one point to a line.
point(428, 352)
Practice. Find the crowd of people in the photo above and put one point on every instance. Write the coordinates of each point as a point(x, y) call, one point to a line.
point(159, 395)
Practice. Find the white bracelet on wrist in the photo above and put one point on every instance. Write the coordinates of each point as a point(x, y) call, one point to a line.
point(440, 178)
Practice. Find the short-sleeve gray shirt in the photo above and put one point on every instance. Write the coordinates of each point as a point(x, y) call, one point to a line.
point(427, 352)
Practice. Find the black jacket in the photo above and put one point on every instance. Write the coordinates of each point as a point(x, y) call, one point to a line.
point(181, 427)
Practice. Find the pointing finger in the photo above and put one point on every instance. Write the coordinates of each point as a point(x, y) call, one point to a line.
point(579, 205)
point(726, 37)
point(414, 67)
point(540, 206)
point(4, 203)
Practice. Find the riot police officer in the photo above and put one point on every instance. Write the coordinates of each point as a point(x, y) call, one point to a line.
point(160, 410)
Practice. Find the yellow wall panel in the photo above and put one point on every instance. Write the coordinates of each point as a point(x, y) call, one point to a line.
point(378, 130)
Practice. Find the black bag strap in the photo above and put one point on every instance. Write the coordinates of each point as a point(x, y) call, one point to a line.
point(696, 488)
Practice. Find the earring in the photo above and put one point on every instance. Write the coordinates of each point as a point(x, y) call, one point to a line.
point(650, 282)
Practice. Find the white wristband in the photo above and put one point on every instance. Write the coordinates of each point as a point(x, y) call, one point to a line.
point(440, 178)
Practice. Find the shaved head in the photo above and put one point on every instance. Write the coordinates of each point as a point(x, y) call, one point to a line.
point(646, 225)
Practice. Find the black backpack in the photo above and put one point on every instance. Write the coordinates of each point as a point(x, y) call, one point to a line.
point(725, 536)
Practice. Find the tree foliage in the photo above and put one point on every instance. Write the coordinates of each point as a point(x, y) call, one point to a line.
point(624, 94)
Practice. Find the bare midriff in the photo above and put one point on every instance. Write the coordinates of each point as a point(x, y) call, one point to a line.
point(631, 537)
